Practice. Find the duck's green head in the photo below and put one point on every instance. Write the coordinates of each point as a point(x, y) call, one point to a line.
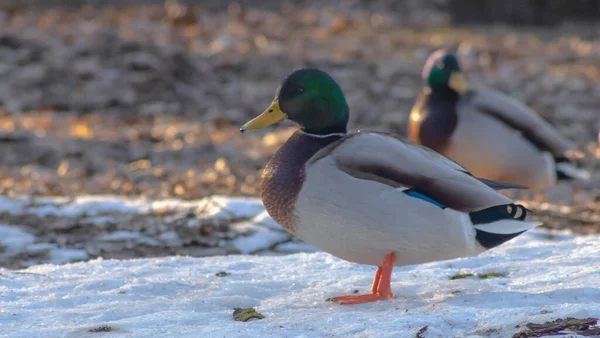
point(309, 97)
point(442, 73)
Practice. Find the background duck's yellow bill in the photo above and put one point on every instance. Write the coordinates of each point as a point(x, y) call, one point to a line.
point(271, 115)
point(459, 82)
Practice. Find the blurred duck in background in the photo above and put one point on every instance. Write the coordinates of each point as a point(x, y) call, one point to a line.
point(491, 134)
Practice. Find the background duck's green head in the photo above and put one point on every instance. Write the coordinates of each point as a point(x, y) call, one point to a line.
point(442, 73)
point(309, 97)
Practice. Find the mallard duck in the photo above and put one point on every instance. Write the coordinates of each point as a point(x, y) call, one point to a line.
point(491, 134)
point(374, 198)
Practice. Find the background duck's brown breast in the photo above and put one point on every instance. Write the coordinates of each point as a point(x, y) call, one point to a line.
point(284, 174)
point(438, 123)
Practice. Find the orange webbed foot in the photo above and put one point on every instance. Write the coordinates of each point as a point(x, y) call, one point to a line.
point(361, 299)
point(381, 289)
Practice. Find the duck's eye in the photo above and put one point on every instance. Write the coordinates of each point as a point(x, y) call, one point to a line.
point(299, 90)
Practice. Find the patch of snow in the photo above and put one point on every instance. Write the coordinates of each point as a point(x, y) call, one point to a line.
point(170, 238)
point(170, 205)
point(99, 205)
point(123, 235)
point(245, 227)
point(261, 225)
point(62, 256)
point(262, 233)
point(182, 297)
point(40, 248)
point(257, 223)
point(11, 205)
point(51, 253)
point(263, 219)
point(230, 207)
point(262, 239)
point(13, 239)
point(118, 236)
point(92, 206)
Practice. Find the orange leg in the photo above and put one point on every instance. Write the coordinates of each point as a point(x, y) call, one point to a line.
point(382, 288)
point(376, 280)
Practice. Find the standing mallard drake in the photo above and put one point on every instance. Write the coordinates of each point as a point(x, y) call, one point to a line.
point(491, 134)
point(372, 198)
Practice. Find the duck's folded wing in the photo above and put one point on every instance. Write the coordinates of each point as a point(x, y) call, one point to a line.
point(519, 117)
point(401, 163)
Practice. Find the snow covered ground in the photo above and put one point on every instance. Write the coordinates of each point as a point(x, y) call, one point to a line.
point(547, 276)
point(216, 206)
point(252, 230)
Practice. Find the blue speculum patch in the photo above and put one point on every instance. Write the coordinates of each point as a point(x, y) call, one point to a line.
point(425, 198)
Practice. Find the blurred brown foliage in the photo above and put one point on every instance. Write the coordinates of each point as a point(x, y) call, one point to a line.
point(147, 98)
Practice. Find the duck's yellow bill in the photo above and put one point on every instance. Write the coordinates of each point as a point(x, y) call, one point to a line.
point(271, 115)
point(459, 82)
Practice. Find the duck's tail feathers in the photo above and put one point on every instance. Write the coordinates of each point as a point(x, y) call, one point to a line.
point(566, 171)
point(499, 224)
